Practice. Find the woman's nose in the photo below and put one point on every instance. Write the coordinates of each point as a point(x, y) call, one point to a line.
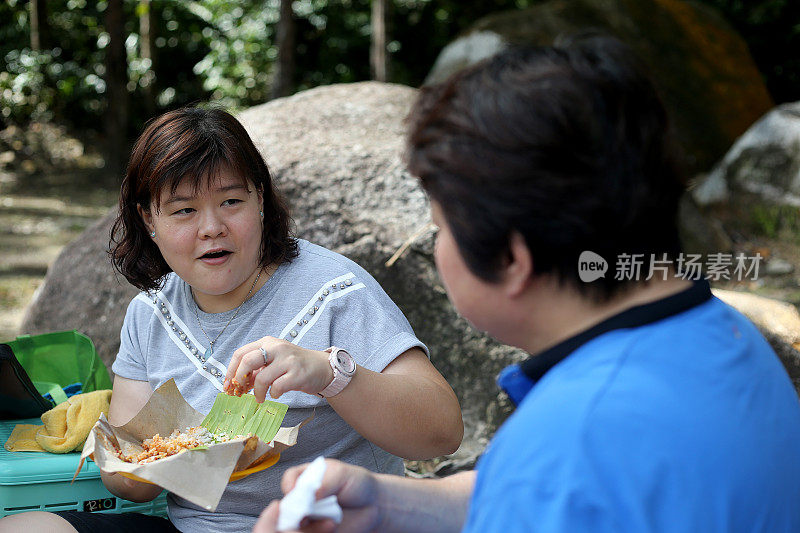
point(212, 225)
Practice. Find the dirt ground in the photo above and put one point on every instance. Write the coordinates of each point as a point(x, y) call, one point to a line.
point(51, 189)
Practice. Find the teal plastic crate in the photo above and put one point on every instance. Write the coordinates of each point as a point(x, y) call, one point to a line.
point(33, 481)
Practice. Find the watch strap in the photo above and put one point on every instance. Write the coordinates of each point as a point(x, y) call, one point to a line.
point(340, 379)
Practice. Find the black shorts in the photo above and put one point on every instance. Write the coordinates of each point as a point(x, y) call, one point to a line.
point(86, 522)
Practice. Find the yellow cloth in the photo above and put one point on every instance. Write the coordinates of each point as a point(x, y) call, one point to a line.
point(65, 428)
point(23, 439)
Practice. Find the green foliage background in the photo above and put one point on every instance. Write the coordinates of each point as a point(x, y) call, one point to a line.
point(223, 51)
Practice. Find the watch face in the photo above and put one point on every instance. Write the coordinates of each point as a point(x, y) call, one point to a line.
point(345, 362)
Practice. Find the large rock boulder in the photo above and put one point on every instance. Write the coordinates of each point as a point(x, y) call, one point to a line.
point(81, 291)
point(707, 77)
point(336, 153)
point(765, 162)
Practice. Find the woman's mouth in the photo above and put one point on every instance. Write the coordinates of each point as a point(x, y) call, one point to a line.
point(215, 257)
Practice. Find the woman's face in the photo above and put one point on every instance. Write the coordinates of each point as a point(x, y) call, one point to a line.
point(211, 237)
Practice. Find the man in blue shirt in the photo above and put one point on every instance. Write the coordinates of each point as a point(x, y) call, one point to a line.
point(648, 404)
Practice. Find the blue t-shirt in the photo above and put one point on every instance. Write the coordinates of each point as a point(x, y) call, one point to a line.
point(685, 424)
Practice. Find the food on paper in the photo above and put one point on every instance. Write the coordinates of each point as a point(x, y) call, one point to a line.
point(230, 418)
point(158, 447)
point(216, 464)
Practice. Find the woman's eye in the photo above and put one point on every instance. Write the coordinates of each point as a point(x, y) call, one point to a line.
point(184, 211)
point(231, 201)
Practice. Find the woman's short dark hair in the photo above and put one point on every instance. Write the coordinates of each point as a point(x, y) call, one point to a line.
point(567, 145)
point(194, 144)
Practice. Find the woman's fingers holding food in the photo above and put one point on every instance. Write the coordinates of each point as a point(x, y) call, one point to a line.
point(299, 369)
point(251, 356)
point(265, 355)
point(265, 378)
point(284, 383)
point(237, 357)
point(250, 362)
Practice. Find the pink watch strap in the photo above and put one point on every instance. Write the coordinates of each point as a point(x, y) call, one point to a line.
point(340, 379)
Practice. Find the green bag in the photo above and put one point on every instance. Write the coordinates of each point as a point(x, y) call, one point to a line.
point(55, 360)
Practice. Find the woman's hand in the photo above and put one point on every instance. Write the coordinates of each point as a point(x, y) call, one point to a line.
point(355, 489)
point(387, 408)
point(277, 366)
point(127, 399)
point(129, 489)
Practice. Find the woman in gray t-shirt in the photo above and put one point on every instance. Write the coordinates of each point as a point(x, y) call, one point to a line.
point(229, 294)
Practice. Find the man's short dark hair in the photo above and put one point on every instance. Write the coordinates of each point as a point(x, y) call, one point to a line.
point(194, 144)
point(567, 145)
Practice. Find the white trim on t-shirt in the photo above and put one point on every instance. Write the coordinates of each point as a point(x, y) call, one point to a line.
point(210, 362)
point(294, 331)
point(308, 316)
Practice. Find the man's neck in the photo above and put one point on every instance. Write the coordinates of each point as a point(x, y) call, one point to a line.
point(558, 313)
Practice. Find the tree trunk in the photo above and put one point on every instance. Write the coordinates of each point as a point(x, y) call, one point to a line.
point(379, 64)
point(116, 119)
point(40, 29)
point(147, 49)
point(283, 79)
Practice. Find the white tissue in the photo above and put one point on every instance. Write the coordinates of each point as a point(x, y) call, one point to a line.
point(300, 502)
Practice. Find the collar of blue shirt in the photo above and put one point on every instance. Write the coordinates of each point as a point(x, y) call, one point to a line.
point(518, 380)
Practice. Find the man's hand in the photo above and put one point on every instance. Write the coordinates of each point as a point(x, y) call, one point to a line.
point(356, 489)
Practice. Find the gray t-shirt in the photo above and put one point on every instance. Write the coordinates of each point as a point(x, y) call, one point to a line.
point(319, 299)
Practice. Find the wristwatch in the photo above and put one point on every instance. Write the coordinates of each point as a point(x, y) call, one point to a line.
point(344, 368)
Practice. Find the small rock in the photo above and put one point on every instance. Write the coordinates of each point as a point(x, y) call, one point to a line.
point(710, 189)
point(6, 157)
point(464, 51)
point(778, 267)
point(28, 166)
point(764, 161)
point(778, 321)
point(448, 467)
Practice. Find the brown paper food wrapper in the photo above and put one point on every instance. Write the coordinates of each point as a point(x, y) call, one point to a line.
point(165, 411)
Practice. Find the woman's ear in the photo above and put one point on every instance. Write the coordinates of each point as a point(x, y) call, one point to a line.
point(147, 217)
point(518, 270)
